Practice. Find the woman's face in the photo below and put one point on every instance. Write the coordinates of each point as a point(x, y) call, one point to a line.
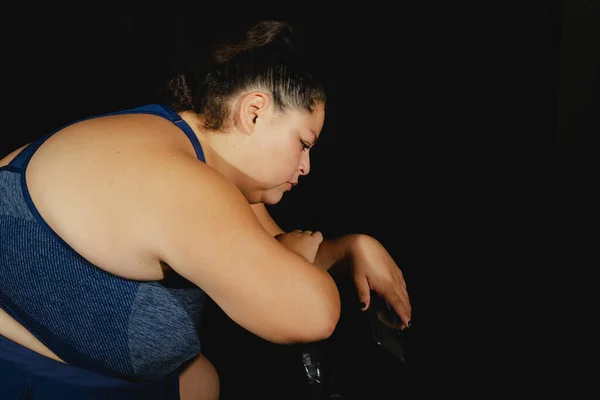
point(280, 152)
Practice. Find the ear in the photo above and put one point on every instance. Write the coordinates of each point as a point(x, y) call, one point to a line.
point(251, 107)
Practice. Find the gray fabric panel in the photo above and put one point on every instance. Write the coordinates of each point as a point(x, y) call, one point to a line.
point(161, 333)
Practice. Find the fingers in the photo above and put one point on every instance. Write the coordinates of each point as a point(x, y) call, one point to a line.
point(402, 284)
point(397, 298)
point(316, 234)
point(403, 299)
point(401, 308)
point(388, 303)
point(400, 289)
point(364, 292)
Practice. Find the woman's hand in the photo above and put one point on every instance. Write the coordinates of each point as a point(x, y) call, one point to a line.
point(304, 243)
point(374, 269)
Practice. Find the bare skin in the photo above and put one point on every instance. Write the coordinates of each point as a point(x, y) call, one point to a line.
point(199, 380)
point(93, 168)
point(372, 267)
point(115, 175)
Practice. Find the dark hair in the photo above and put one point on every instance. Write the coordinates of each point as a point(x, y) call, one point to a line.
point(266, 57)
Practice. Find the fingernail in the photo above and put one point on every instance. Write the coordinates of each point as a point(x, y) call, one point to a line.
point(409, 324)
point(362, 305)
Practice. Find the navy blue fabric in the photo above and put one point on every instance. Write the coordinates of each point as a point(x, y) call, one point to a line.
point(25, 374)
point(93, 320)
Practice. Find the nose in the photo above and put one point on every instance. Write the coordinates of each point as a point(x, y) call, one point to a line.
point(304, 166)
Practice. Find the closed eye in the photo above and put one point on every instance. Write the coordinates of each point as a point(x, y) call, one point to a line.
point(305, 146)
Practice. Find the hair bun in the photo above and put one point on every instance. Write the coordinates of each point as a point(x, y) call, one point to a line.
point(262, 34)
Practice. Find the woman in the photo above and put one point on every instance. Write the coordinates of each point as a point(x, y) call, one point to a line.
point(114, 229)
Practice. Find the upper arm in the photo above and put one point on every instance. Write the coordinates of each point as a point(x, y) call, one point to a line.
point(203, 227)
point(265, 219)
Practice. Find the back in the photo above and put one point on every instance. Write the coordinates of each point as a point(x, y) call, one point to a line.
point(130, 198)
point(84, 314)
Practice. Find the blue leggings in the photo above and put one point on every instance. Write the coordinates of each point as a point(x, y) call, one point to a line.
point(25, 374)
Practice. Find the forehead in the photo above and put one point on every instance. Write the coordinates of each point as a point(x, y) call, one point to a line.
point(310, 120)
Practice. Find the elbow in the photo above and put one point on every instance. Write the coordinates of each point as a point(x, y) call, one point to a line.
point(327, 314)
point(330, 317)
point(319, 324)
point(302, 316)
point(325, 328)
point(322, 327)
point(313, 331)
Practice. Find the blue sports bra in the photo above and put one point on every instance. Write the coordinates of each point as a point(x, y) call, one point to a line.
point(85, 315)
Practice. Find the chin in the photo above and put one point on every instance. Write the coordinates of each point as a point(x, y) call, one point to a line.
point(272, 197)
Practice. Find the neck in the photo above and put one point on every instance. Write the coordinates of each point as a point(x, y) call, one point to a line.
point(217, 147)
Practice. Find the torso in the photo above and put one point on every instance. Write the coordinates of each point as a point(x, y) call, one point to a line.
point(69, 192)
point(9, 327)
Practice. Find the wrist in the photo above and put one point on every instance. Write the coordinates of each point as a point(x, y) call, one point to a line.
point(336, 251)
point(342, 252)
point(352, 245)
point(355, 242)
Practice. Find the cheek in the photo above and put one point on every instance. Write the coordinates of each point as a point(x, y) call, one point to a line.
point(277, 156)
point(283, 161)
point(286, 152)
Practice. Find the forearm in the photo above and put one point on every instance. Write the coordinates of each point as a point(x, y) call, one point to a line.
point(334, 250)
point(331, 251)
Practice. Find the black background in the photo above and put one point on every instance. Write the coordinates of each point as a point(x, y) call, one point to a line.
point(449, 137)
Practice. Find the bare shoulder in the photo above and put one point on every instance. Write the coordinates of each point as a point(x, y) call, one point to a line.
point(93, 181)
point(130, 196)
